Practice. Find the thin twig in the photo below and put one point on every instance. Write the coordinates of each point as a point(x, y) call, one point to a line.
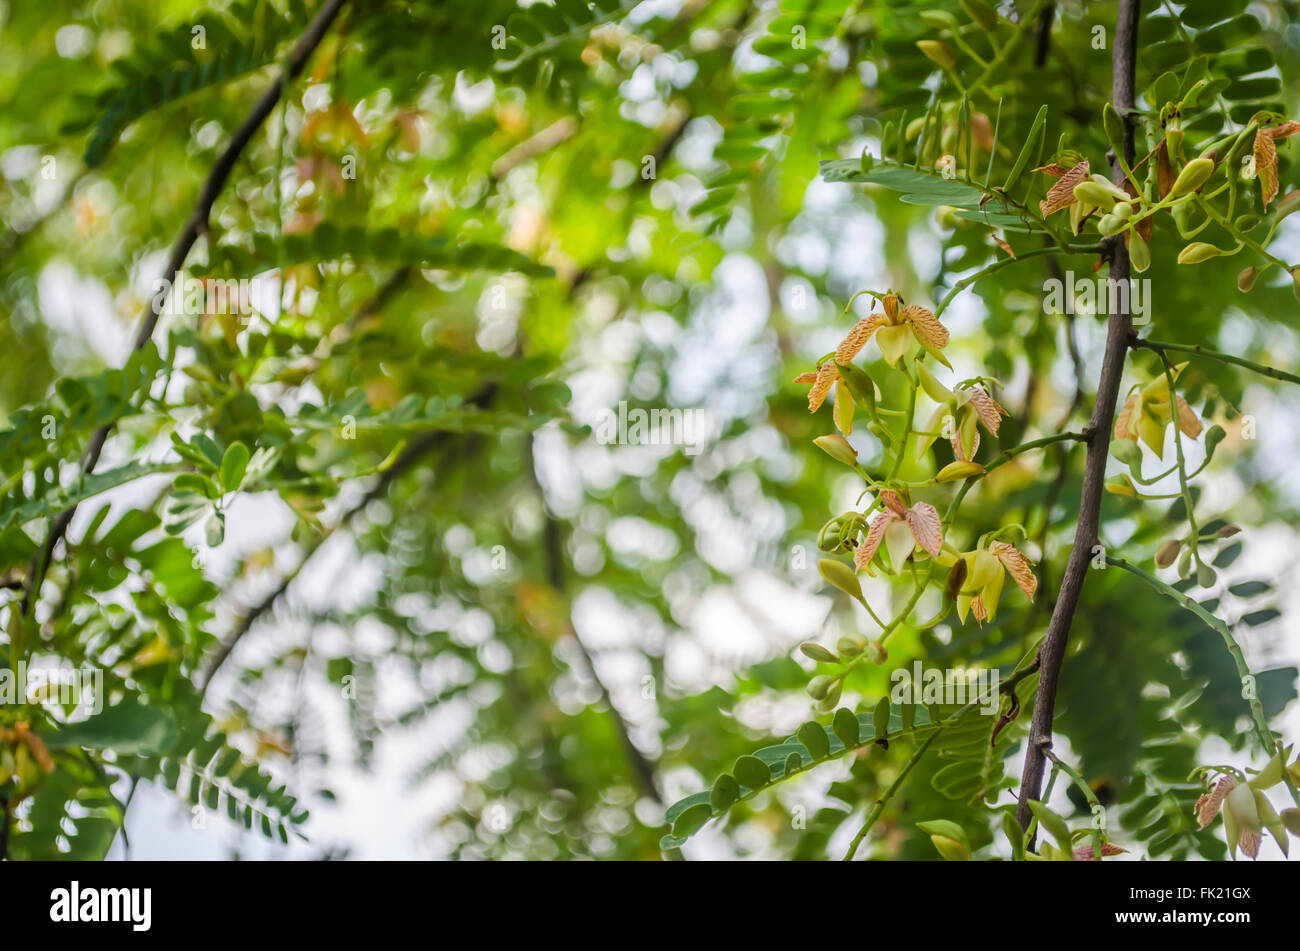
point(196, 224)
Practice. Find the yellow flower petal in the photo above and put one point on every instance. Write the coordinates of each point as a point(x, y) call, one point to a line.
point(894, 343)
point(843, 410)
point(857, 338)
point(826, 376)
point(932, 334)
point(1152, 432)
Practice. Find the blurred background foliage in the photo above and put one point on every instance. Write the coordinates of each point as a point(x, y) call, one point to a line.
point(494, 226)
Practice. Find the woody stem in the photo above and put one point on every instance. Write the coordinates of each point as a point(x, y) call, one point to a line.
point(1119, 331)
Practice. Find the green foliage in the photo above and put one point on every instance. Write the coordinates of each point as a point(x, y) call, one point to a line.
point(475, 232)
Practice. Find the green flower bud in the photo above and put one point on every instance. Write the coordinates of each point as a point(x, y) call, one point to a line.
point(851, 645)
point(1138, 252)
point(1196, 252)
point(1194, 174)
point(820, 685)
point(937, 52)
point(1090, 193)
point(838, 448)
point(1110, 224)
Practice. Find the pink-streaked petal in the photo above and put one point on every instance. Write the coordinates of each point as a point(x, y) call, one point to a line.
point(959, 450)
point(927, 529)
point(1124, 422)
point(1250, 843)
point(1208, 806)
point(1084, 853)
point(989, 411)
point(875, 535)
point(1188, 421)
point(890, 500)
point(1018, 566)
point(1061, 195)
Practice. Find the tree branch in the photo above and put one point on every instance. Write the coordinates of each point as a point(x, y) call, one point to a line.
point(1119, 331)
point(195, 225)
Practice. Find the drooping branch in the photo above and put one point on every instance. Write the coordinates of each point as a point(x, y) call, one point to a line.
point(195, 225)
point(1118, 333)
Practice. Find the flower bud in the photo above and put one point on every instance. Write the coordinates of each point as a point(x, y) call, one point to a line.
point(1194, 174)
point(841, 576)
point(1110, 224)
point(958, 470)
point(1246, 278)
point(1196, 252)
point(950, 849)
point(877, 653)
point(1090, 193)
point(819, 686)
point(838, 448)
point(851, 645)
point(937, 52)
point(1167, 553)
point(1122, 209)
point(818, 653)
point(1138, 252)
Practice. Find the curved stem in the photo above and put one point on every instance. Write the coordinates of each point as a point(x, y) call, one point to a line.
point(1266, 737)
point(1271, 372)
point(1007, 262)
point(879, 807)
point(1002, 459)
point(1184, 489)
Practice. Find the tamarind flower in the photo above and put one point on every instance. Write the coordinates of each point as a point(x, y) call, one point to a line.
point(895, 329)
point(1265, 151)
point(1145, 414)
point(1246, 810)
point(1208, 806)
point(1061, 195)
point(822, 379)
point(901, 528)
point(985, 571)
point(966, 407)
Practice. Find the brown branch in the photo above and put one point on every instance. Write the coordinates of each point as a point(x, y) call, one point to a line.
point(553, 551)
point(195, 225)
point(1119, 331)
